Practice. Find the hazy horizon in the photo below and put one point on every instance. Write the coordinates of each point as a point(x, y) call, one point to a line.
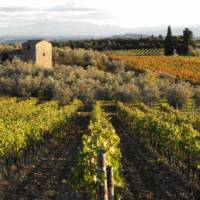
point(87, 16)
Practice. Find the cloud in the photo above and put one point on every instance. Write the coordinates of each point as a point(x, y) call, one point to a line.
point(70, 7)
point(14, 16)
point(16, 9)
point(94, 16)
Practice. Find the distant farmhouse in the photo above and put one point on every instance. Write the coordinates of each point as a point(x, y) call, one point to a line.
point(38, 52)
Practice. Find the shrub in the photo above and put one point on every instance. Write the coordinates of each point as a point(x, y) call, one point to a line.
point(127, 93)
point(179, 94)
point(79, 57)
point(197, 95)
point(194, 52)
point(149, 88)
point(65, 83)
point(115, 66)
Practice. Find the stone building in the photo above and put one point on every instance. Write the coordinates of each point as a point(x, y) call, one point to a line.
point(38, 52)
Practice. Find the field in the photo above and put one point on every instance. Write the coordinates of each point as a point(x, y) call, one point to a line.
point(139, 52)
point(61, 152)
point(186, 68)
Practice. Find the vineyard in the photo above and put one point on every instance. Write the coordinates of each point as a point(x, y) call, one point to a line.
point(116, 151)
point(186, 68)
point(174, 134)
point(138, 52)
point(24, 126)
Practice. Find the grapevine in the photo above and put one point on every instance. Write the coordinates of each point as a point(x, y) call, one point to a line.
point(173, 137)
point(101, 136)
point(26, 124)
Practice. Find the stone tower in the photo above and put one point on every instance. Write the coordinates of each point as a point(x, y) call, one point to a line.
point(38, 52)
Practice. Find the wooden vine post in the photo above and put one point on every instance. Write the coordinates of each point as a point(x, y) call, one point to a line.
point(198, 174)
point(101, 176)
point(110, 183)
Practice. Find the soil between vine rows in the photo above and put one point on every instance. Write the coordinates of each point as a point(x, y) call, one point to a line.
point(50, 177)
point(146, 176)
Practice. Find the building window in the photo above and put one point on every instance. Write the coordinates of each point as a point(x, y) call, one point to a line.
point(28, 47)
point(44, 54)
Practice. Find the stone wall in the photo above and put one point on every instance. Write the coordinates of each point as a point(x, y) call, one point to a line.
point(44, 54)
point(29, 52)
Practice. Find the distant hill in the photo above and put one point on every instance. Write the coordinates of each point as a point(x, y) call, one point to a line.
point(62, 29)
point(163, 30)
point(68, 30)
point(129, 36)
point(21, 39)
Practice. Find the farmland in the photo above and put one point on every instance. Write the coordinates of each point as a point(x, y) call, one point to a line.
point(185, 68)
point(98, 101)
point(61, 156)
point(91, 128)
point(139, 52)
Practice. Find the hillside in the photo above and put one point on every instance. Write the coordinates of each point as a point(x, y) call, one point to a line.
point(80, 29)
point(185, 68)
point(123, 135)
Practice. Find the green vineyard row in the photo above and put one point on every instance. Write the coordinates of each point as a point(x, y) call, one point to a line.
point(25, 124)
point(139, 52)
point(173, 133)
point(101, 136)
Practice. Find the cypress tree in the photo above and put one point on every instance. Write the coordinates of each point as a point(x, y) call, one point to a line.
point(169, 43)
point(187, 40)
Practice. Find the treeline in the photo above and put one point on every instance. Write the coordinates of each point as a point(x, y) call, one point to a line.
point(181, 45)
point(114, 44)
point(7, 49)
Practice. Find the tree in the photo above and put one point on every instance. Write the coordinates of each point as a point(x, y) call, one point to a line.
point(169, 43)
point(160, 37)
point(187, 41)
point(179, 94)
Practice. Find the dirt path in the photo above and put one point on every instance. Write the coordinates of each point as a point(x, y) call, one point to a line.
point(50, 178)
point(146, 176)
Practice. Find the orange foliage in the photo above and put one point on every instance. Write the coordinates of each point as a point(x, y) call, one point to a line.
point(187, 68)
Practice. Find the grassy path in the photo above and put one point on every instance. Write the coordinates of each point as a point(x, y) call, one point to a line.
point(50, 178)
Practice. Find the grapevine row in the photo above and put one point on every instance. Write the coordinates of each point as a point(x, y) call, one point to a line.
point(178, 117)
point(101, 137)
point(166, 113)
point(178, 142)
point(26, 124)
point(186, 68)
point(138, 52)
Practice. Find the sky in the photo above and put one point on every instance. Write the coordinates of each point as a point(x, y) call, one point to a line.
point(121, 13)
